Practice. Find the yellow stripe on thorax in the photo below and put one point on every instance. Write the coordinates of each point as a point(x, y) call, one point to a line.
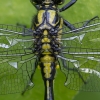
point(40, 16)
point(52, 14)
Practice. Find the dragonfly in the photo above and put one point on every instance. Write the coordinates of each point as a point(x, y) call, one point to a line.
point(50, 43)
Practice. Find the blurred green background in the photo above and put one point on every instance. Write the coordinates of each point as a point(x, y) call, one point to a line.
point(22, 12)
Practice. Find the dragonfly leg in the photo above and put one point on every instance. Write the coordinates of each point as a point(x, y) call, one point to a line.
point(35, 5)
point(67, 5)
point(69, 25)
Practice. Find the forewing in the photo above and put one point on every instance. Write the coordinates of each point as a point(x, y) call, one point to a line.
point(80, 56)
point(16, 59)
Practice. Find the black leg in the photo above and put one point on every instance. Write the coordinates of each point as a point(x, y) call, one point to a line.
point(69, 25)
point(67, 5)
point(35, 5)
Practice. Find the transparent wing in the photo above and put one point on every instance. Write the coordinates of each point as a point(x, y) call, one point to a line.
point(16, 59)
point(80, 56)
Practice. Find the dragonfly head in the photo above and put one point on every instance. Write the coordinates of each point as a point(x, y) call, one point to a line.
point(56, 2)
point(46, 2)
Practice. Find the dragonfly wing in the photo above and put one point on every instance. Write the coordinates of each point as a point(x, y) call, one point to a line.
point(81, 57)
point(16, 59)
